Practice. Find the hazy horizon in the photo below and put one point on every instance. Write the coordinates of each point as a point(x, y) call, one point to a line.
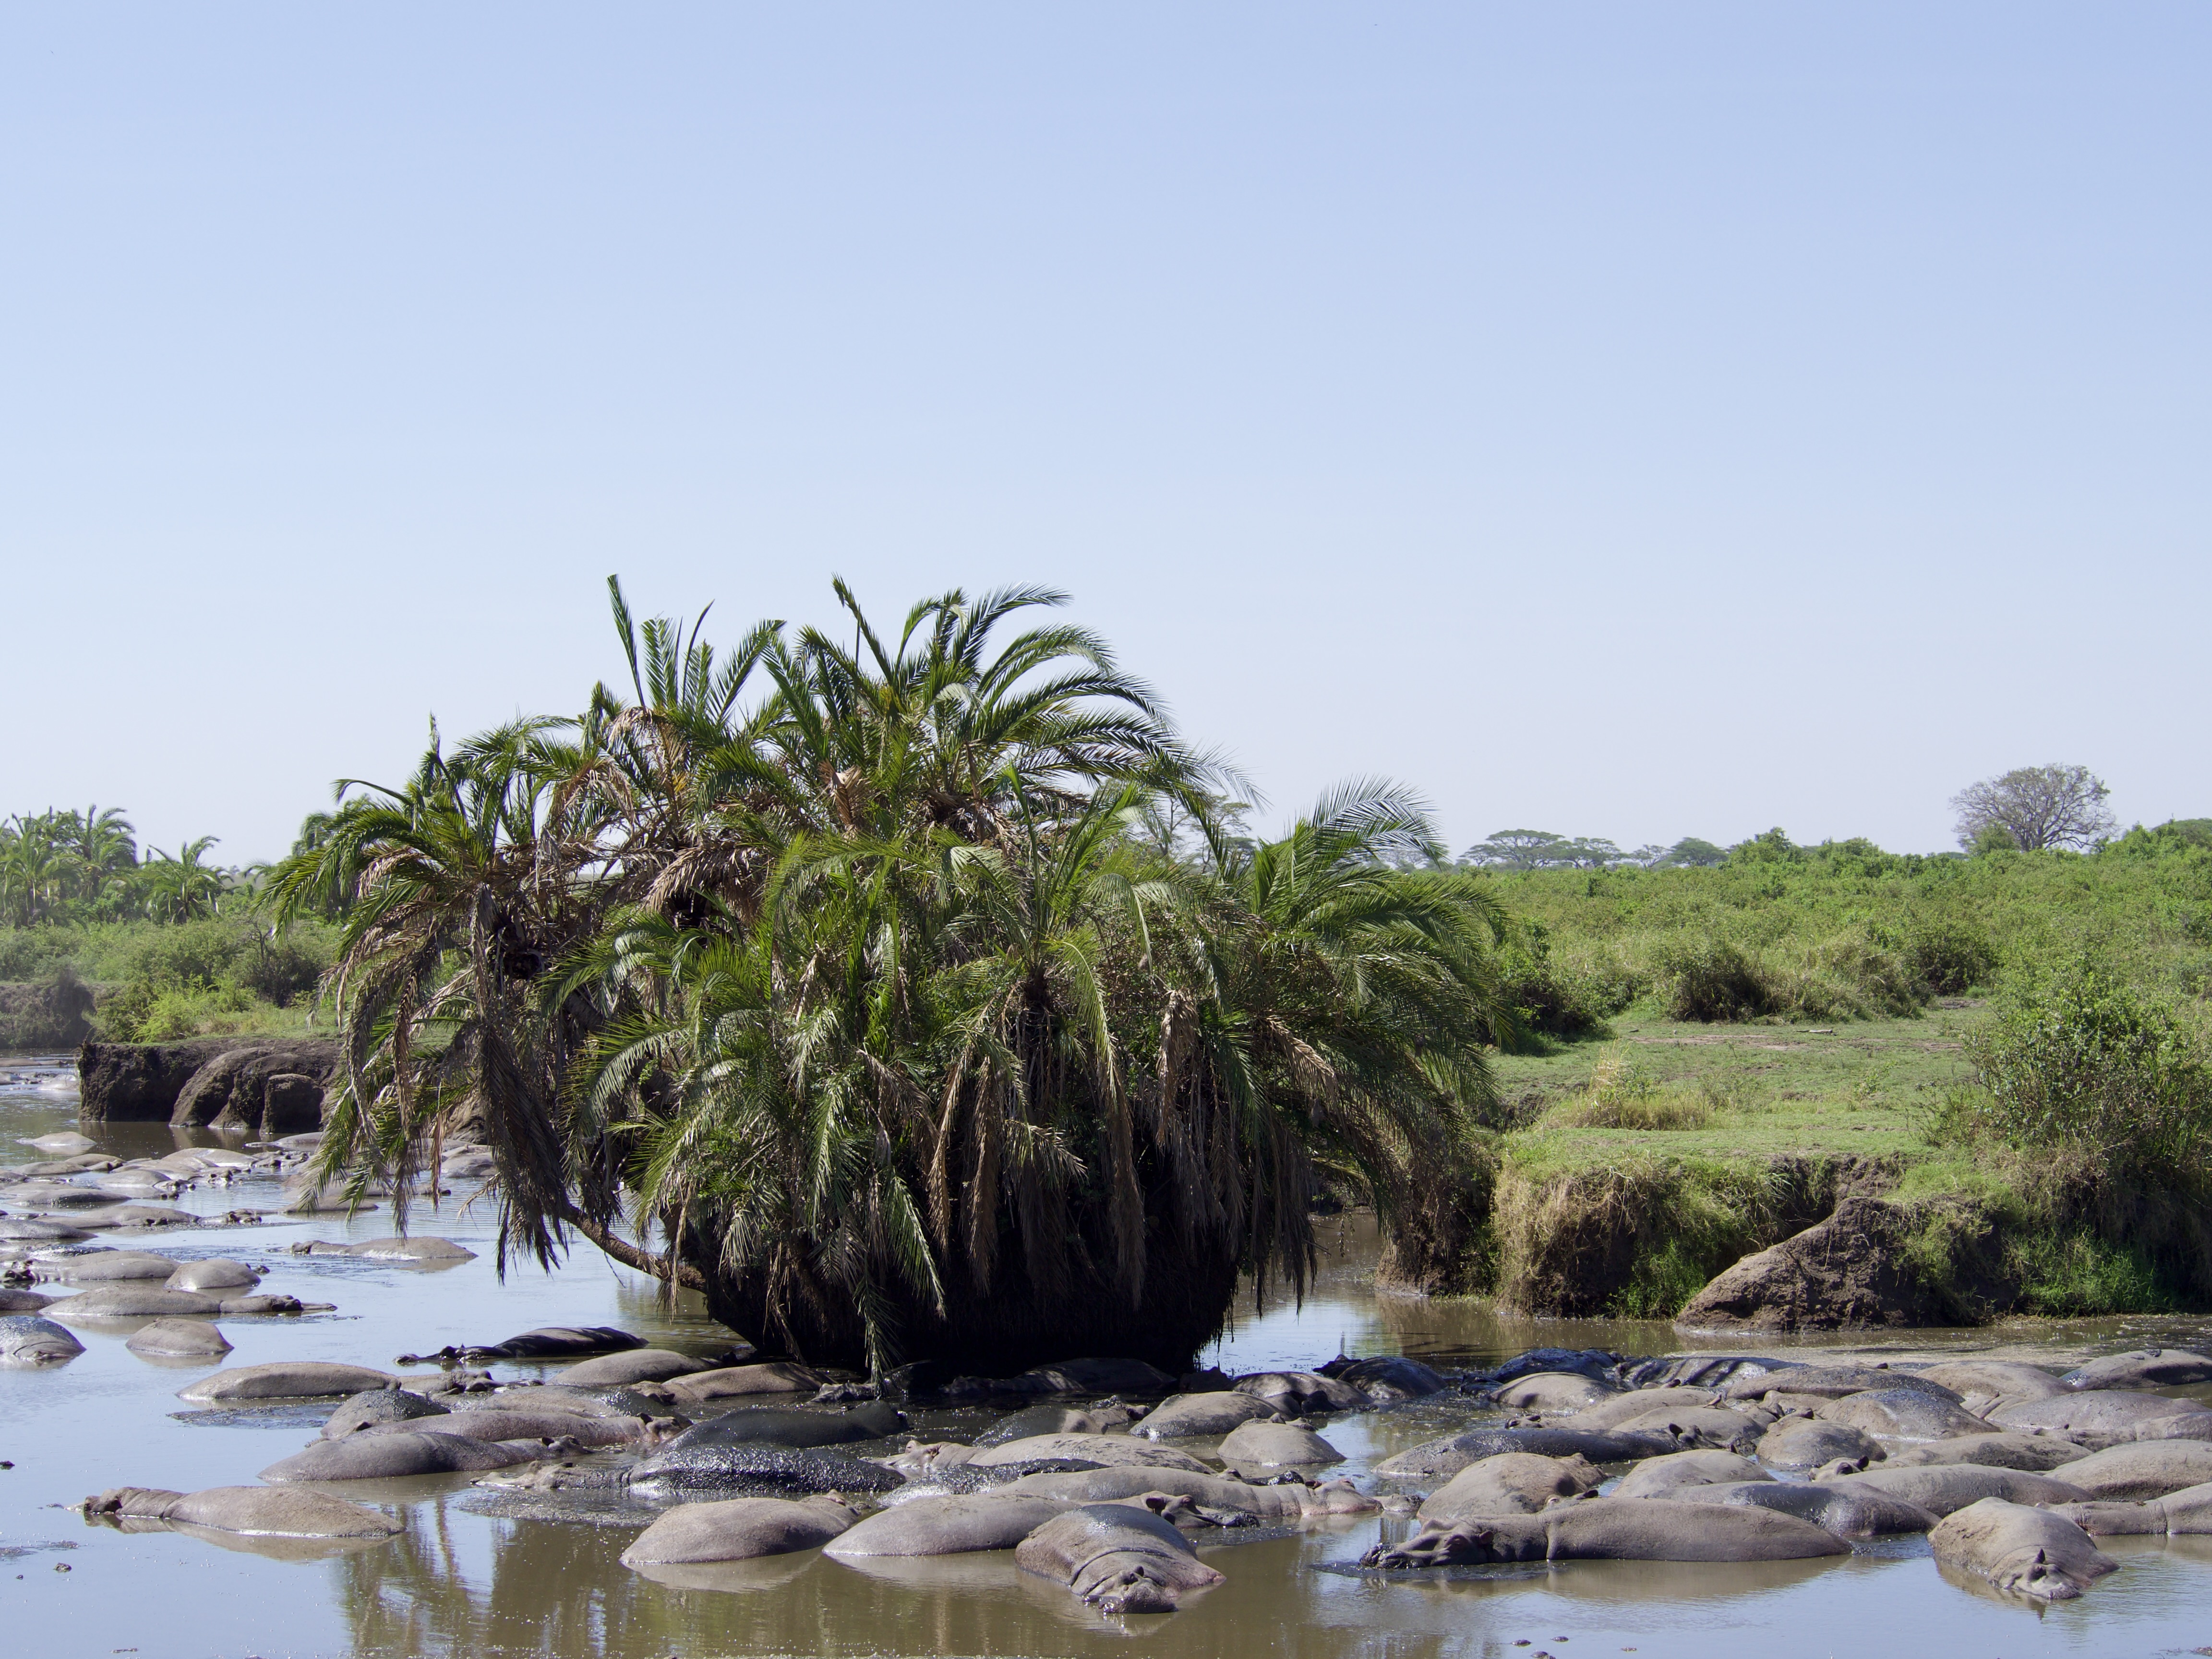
point(1618, 423)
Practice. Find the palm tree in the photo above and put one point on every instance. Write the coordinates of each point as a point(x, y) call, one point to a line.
point(910, 1034)
point(183, 886)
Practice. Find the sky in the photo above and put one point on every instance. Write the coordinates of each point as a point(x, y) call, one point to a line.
point(1620, 420)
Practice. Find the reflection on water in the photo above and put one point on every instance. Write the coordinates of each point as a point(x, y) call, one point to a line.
point(463, 1582)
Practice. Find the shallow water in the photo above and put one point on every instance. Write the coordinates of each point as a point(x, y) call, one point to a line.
point(459, 1582)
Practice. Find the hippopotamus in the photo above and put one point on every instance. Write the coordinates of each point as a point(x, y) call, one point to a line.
point(1900, 1414)
point(1614, 1410)
point(1981, 1384)
point(1296, 1393)
point(1662, 1475)
point(2145, 1470)
point(1591, 1362)
point(2176, 1515)
point(259, 1511)
point(752, 1468)
point(957, 1525)
point(1696, 1427)
point(1946, 1488)
point(1616, 1529)
point(373, 1406)
point(133, 1299)
point(103, 1266)
point(285, 1379)
point(2038, 1454)
point(1069, 1376)
point(27, 1339)
point(1106, 1449)
point(1513, 1483)
point(1213, 1495)
point(2143, 1368)
point(1386, 1377)
point(1195, 1416)
point(1276, 1446)
point(2030, 1551)
point(735, 1382)
point(1806, 1442)
point(548, 1342)
point(38, 1230)
point(420, 1250)
point(493, 1425)
point(1703, 1370)
point(1119, 1559)
point(765, 1427)
point(637, 1365)
point(1552, 1391)
point(21, 1302)
point(214, 1273)
point(549, 1397)
point(1832, 1382)
point(178, 1339)
point(1452, 1453)
point(739, 1529)
point(411, 1451)
point(2092, 1416)
point(1033, 1420)
point(119, 1216)
point(1848, 1512)
point(61, 1142)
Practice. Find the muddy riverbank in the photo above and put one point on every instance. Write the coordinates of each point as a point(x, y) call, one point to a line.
point(460, 1582)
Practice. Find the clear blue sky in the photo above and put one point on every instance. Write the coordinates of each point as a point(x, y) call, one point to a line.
point(1637, 421)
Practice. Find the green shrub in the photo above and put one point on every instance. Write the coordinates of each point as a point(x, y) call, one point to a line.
point(1948, 958)
point(1621, 1096)
point(1564, 999)
point(2087, 1062)
point(1712, 979)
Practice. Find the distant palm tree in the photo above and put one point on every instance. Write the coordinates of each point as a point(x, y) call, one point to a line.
point(183, 886)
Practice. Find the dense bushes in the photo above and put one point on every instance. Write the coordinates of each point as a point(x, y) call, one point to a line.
point(153, 981)
point(2085, 1062)
point(1560, 997)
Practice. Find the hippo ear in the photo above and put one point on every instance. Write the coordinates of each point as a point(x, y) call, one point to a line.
point(2041, 1559)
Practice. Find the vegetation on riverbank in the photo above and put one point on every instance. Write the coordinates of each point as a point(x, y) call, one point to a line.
point(148, 982)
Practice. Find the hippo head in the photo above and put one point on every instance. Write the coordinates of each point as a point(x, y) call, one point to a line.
point(1336, 1498)
point(1470, 1544)
point(2038, 1576)
point(1133, 1590)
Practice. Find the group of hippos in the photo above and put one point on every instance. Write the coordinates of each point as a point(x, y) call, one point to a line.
point(1106, 1474)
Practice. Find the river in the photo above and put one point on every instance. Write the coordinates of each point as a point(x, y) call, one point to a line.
point(459, 1583)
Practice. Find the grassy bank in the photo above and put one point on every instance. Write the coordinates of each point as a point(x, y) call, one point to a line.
point(146, 980)
point(1722, 1054)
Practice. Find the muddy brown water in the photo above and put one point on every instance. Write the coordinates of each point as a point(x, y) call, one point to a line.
point(461, 1583)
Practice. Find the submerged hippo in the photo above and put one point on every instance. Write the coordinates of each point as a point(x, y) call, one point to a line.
point(1703, 1370)
point(748, 1469)
point(957, 1525)
point(2177, 1515)
point(1214, 1495)
point(178, 1339)
point(2145, 1470)
point(637, 1365)
point(1901, 1414)
point(738, 1529)
point(1616, 1529)
point(396, 1457)
point(1616, 1409)
point(1107, 1448)
point(373, 1406)
point(1846, 1511)
point(27, 1339)
point(20, 1301)
point(1832, 1382)
point(102, 1267)
point(255, 1510)
point(548, 1342)
point(2098, 1415)
point(214, 1273)
point(1591, 1362)
point(2038, 1454)
point(1452, 1453)
point(493, 1425)
point(1276, 1446)
point(2030, 1552)
point(765, 1427)
point(1387, 1377)
point(2142, 1368)
point(134, 1299)
point(1553, 1391)
point(38, 1230)
point(737, 1382)
point(1199, 1416)
point(1518, 1483)
point(284, 1379)
point(1947, 1488)
point(1033, 1420)
point(1662, 1475)
point(421, 1250)
point(1120, 1559)
point(1982, 1384)
point(1806, 1442)
point(1696, 1427)
point(1296, 1393)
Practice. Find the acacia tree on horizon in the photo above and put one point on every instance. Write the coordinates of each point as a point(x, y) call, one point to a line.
point(2037, 807)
